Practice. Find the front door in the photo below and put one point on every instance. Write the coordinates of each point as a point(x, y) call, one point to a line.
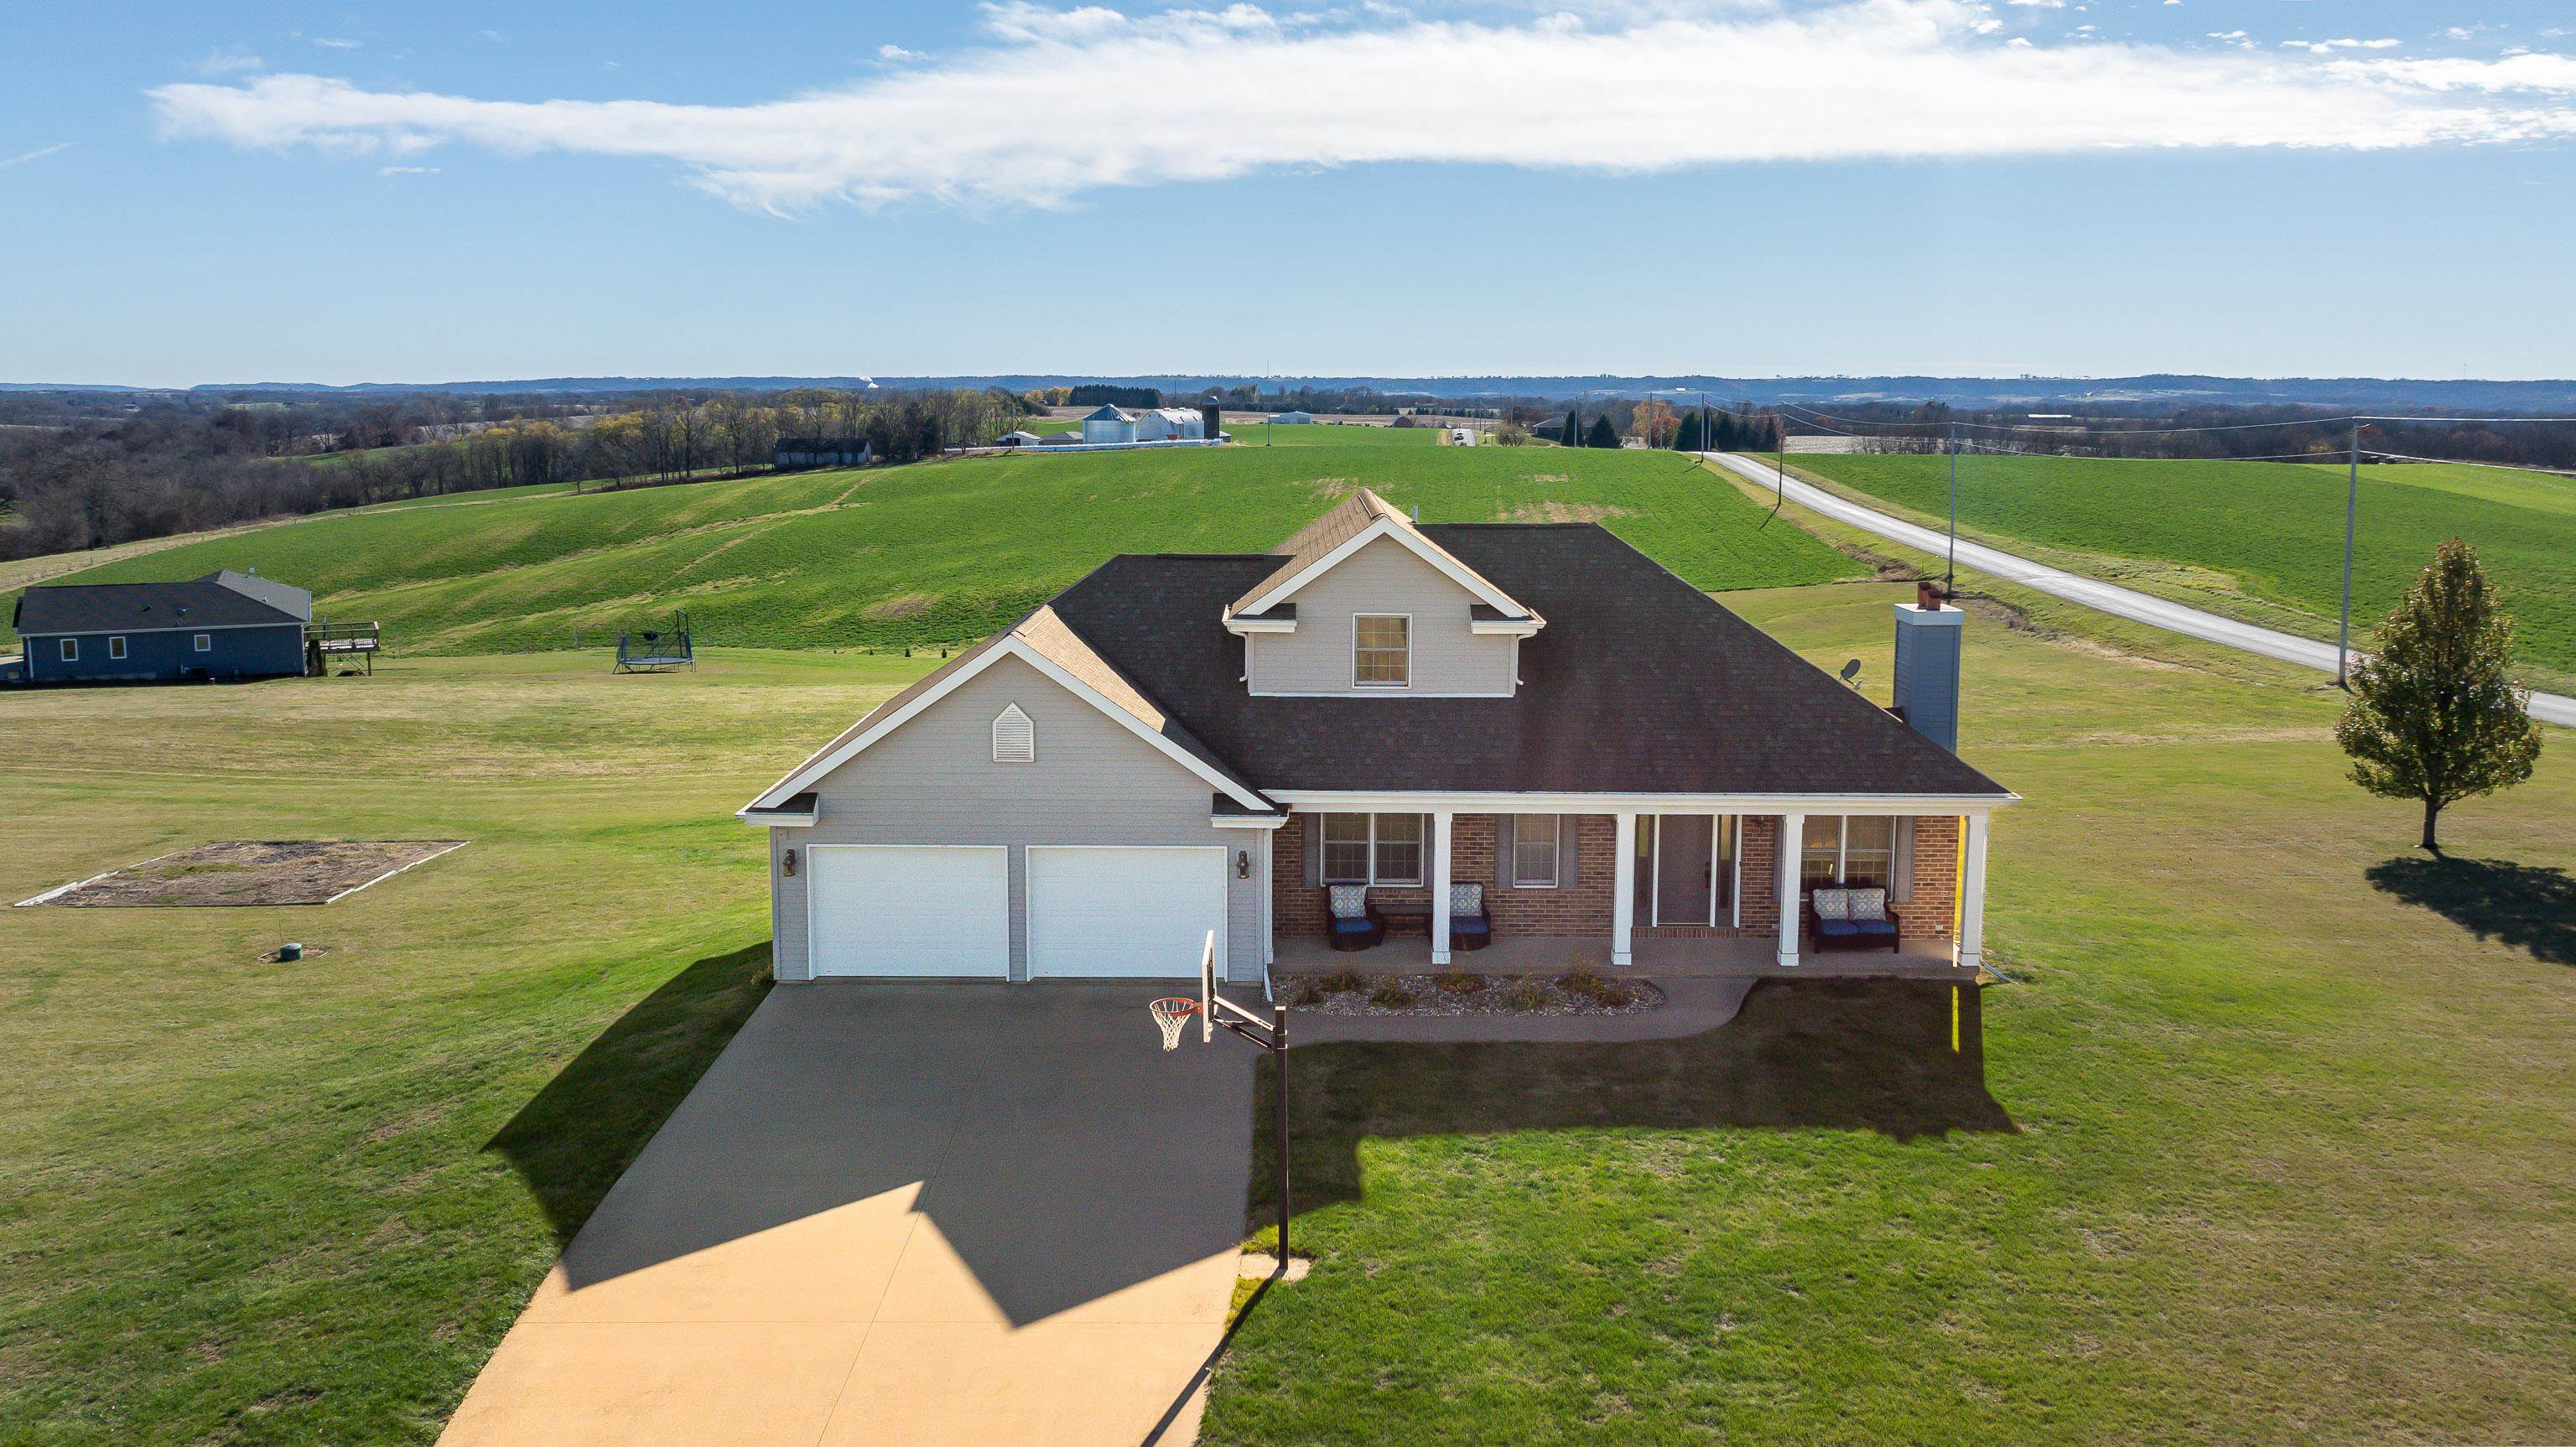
point(1685, 862)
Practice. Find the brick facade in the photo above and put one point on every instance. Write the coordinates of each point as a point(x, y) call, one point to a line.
point(1583, 909)
point(1936, 879)
point(1761, 915)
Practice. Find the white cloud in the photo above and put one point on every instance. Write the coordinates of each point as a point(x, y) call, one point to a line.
point(1087, 98)
point(2039, 4)
point(1027, 22)
point(897, 55)
point(2329, 47)
point(407, 170)
point(36, 155)
point(335, 43)
point(233, 61)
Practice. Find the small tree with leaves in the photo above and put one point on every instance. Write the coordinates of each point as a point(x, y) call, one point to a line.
point(2435, 714)
point(1603, 434)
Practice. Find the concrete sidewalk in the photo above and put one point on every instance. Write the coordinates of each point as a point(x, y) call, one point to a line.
point(898, 1213)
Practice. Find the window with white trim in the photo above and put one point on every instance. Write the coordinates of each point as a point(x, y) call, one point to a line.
point(1015, 738)
point(203, 643)
point(1855, 849)
point(1381, 650)
point(70, 651)
point(1372, 849)
point(116, 646)
point(1534, 839)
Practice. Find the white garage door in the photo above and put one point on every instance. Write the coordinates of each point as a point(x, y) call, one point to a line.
point(881, 909)
point(1136, 913)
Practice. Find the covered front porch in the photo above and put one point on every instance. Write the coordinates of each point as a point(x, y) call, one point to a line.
point(1676, 886)
point(1736, 957)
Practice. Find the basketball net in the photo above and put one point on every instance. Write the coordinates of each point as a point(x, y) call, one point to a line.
point(1172, 1014)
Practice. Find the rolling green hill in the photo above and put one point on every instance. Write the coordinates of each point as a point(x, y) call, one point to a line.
point(942, 552)
point(2274, 531)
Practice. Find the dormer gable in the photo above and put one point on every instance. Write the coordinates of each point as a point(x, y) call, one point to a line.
point(1363, 603)
point(1343, 533)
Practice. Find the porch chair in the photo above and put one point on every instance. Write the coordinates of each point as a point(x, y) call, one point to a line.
point(1841, 917)
point(1351, 921)
point(1468, 927)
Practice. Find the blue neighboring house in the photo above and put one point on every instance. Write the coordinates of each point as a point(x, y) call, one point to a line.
point(223, 625)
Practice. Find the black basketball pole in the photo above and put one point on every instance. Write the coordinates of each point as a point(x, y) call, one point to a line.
point(1279, 1124)
point(1273, 1039)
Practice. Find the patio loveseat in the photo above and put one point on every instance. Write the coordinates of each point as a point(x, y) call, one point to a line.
point(1842, 917)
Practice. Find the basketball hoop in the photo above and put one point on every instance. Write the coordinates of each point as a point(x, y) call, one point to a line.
point(1171, 1014)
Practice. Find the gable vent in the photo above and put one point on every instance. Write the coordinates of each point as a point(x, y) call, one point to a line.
point(1015, 739)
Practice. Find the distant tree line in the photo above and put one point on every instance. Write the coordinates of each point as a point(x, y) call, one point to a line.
point(156, 467)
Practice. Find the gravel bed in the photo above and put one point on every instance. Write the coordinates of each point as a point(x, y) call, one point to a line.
point(1500, 995)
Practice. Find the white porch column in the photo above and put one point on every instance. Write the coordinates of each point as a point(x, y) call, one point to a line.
point(1623, 890)
point(1793, 842)
point(1440, 819)
point(1972, 896)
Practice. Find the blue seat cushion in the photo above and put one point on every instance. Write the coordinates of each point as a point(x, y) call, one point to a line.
point(1879, 927)
point(1470, 925)
point(1353, 927)
point(1837, 928)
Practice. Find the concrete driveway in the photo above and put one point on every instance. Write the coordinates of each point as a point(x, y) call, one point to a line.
point(900, 1213)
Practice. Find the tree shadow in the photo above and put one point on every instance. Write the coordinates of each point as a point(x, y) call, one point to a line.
point(2530, 908)
point(1874, 1055)
point(575, 1137)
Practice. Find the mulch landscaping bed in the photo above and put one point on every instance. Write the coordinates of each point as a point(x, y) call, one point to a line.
point(1463, 993)
point(291, 871)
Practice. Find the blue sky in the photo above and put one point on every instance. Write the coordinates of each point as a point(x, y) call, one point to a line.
point(212, 192)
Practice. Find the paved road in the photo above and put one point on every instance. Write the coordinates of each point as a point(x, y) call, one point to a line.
point(901, 1214)
point(2075, 588)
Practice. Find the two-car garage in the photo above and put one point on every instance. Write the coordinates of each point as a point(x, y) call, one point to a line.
point(1091, 912)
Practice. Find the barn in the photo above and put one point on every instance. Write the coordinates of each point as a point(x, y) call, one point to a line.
point(223, 625)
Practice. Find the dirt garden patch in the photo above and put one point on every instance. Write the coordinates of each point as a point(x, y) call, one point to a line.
point(1458, 992)
point(246, 871)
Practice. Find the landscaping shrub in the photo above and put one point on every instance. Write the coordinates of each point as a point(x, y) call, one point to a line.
point(1526, 996)
point(1342, 982)
point(1588, 983)
point(1392, 997)
point(1459, 982)
point(1308, 995)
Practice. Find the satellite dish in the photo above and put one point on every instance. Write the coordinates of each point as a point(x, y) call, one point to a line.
point(1851, 673)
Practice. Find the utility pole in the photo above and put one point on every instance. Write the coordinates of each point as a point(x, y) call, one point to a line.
point(1780, 458)
point(2351, 506)
point(1704, 444)
point(1950, 575)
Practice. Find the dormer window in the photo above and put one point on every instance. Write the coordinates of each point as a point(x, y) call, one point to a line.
point(1381, 650)
point(1015, 739)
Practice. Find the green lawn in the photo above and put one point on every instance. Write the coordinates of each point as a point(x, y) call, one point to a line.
point(2271, 533)
point(247, 1202)
point(2268, 1142)
point(943, 552)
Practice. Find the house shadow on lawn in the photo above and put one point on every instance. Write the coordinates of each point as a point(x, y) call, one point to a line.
point(1872, 1055)
point(575, 1137)
point(2528, 907)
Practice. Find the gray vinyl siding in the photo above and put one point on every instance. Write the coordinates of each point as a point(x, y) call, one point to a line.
point(156, 657)
point(789, 963)
point(933, 781)
point(1381, 578)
